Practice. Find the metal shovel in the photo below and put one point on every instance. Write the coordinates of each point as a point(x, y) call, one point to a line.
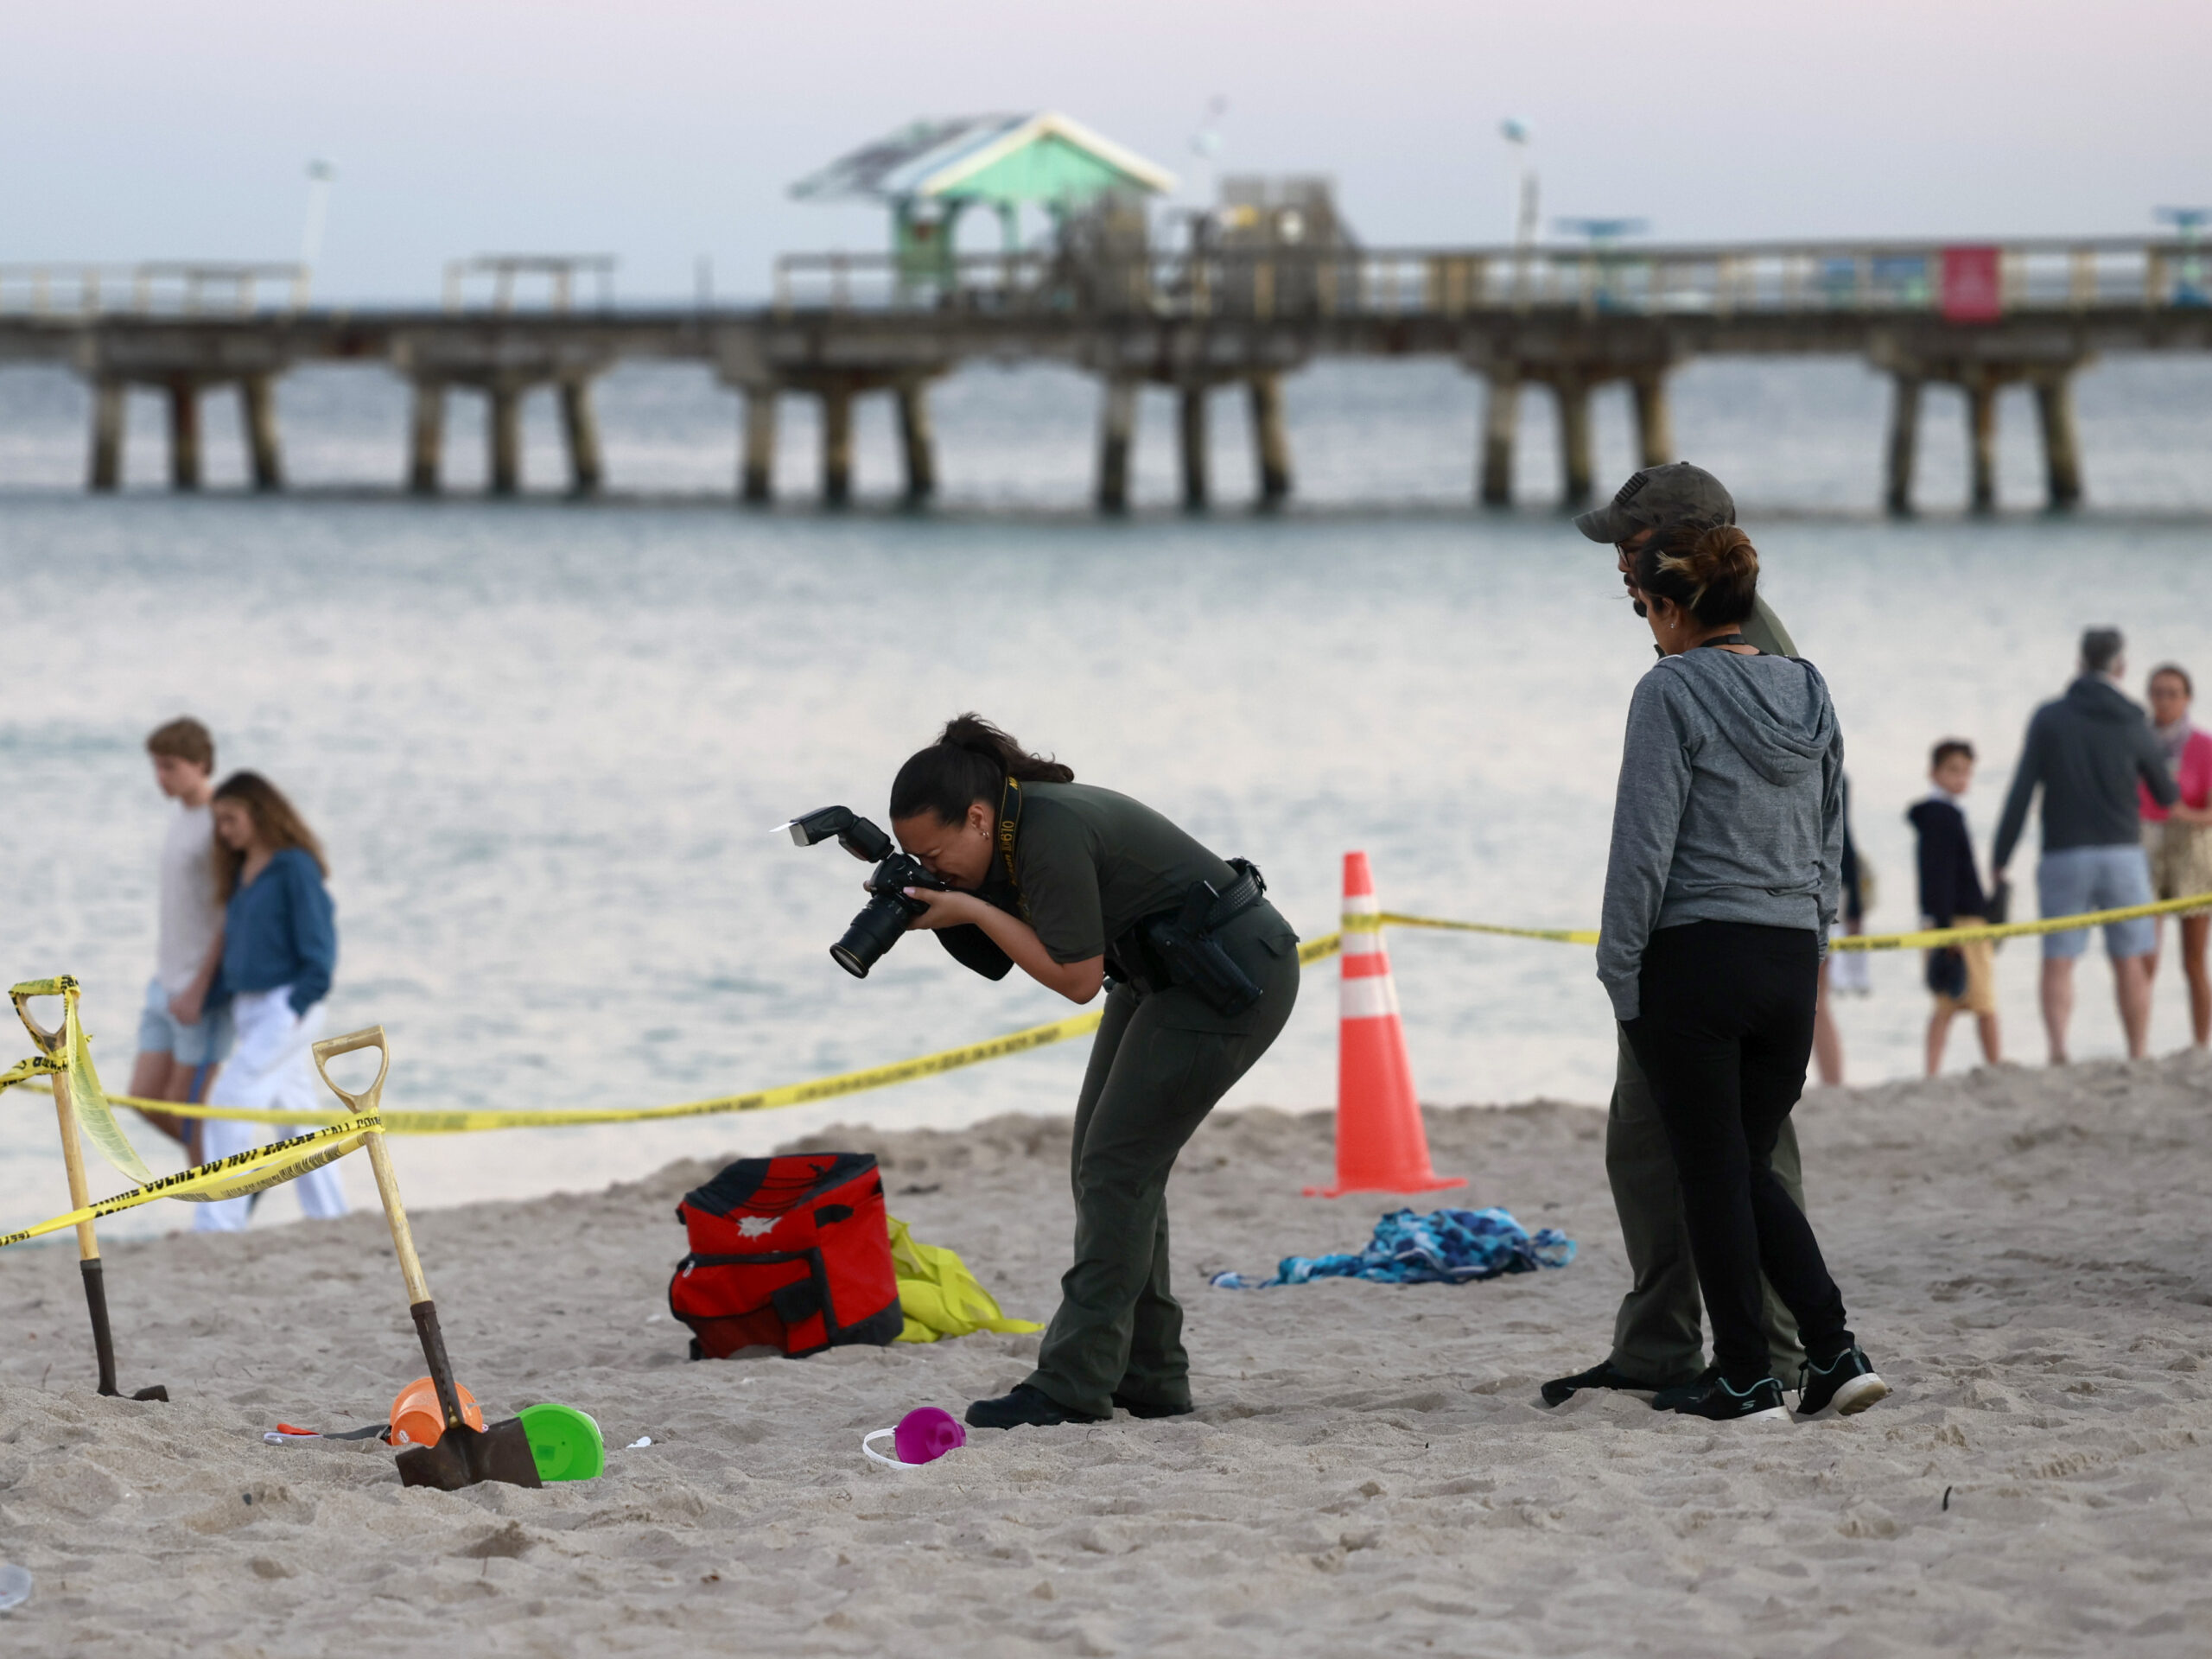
point(463, 1456)
point(50, 1043)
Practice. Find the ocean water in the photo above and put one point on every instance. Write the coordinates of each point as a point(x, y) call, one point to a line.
point(545, 742)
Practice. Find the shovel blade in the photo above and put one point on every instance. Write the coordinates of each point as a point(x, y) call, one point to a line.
point(465, 1456)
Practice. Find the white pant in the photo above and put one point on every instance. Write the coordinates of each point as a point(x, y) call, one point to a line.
point(270, 1070)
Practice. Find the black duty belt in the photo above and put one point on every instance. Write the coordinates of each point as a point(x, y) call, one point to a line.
point(1179, 947)
point(1239, 896)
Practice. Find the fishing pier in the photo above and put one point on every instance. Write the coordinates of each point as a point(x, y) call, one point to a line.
point(1562, 322)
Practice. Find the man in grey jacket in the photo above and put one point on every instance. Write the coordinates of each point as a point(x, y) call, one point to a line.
point(2086, 751)
point(1659, 1334)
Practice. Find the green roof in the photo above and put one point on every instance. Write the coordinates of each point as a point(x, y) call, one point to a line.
point(1004, 159)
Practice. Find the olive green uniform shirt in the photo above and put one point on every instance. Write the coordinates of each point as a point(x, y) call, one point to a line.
point(1093, 864)
point(1763, 629)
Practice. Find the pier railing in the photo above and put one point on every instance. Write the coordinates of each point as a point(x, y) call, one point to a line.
point(1968, 282)
point(154, 289)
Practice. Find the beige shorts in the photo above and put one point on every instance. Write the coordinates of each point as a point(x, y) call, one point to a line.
point(1981, 973)
point(2181, 858)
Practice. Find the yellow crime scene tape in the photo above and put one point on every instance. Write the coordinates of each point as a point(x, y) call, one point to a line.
point(261, 1167)
point(1935, 939)
point(86, 1086)
point(1392, 918)
point(235, 1176)
point(761, 1100)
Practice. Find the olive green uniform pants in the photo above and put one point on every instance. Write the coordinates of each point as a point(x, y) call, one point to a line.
point(1660, 1333)
point(1160, 1062)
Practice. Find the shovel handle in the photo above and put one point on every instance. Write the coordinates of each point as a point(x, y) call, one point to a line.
point(330, 1048)
point(51, 1043)
point(395, 1214)
point(20, 995)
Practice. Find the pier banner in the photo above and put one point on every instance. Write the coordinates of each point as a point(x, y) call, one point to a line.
point(1973, 288)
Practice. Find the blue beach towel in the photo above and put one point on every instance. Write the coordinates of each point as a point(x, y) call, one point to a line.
point(1447, 1247)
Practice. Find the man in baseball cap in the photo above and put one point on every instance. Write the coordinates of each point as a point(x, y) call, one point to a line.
point(1659, 1336)
point(1664, 498)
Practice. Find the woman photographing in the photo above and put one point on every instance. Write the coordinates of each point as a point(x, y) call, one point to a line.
point(1723, 884)
point(279, 948)
point(1075, 883)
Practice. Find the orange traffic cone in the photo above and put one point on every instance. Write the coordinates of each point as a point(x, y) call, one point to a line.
point(1381, 1145)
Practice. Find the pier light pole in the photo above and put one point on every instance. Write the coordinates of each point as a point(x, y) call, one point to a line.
point(1206, 145)
point(320, 174)
point(1502, 393)
point(1522, 209)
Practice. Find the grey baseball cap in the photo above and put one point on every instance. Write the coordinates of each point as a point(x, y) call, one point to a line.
point(1677, 494)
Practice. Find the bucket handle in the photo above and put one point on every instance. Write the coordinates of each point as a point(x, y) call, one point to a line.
point(867, 1446)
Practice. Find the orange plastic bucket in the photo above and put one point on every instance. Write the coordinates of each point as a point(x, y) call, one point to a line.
point(417, 1419)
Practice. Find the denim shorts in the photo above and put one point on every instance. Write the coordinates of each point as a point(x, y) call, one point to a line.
point(162, 1032)
point(2082, 879)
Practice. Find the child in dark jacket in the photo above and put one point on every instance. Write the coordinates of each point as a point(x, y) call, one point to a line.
point(1962, 978)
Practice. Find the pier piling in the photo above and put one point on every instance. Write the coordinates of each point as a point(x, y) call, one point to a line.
point(580, 429)
point(1981, 438)
point(2061, 455)
point(1655, 425)
point(836, 445)
point(1576, 467)
point(1191, 431)
point(109, 408)
point(184, 435)
point(1904, 441)
point(1270, 439)
point(504, 434)
point(426, 437)
point(916, 443)
point(757, 475)
point(258, 414)
point(1501, 422)
point(1117, 425)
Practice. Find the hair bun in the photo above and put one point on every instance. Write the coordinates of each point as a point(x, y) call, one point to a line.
point(1712, 572)
point(1723, 554)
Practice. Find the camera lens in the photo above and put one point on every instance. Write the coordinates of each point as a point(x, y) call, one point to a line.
point(874, 931)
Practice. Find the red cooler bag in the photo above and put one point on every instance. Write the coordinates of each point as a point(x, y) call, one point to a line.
point(794, 1253)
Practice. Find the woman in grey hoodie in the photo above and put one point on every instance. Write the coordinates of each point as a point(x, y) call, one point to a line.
point(1723, 883)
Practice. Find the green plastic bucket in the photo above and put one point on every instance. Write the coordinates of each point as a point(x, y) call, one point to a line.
point(565, 1442)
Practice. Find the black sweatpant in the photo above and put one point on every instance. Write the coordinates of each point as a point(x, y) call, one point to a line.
point(1724, 1033)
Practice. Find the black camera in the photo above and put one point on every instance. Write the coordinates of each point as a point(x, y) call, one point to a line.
point(888, 911)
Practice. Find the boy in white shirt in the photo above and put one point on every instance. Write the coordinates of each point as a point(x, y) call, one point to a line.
point(180, 1045)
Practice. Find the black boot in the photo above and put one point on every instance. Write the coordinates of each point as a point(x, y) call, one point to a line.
point(1024, 1406)
point(1561, 1389)
point(1150, 1408)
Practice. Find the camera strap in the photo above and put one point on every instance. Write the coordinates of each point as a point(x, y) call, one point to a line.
point(1009, 829)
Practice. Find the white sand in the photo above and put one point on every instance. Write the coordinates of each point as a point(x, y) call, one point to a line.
point(2025, 1253)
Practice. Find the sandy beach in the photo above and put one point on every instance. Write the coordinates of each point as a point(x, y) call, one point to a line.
point(2025, 1253)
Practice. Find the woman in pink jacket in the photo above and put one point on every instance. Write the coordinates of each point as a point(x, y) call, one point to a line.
point(2179, 842)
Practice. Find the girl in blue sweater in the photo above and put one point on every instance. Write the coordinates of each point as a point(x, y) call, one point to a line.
point(279, 948)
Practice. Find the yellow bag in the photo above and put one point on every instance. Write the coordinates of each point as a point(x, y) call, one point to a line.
point(939, 1295)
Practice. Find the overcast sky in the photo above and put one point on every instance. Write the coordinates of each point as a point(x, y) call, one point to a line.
point(661, 131)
